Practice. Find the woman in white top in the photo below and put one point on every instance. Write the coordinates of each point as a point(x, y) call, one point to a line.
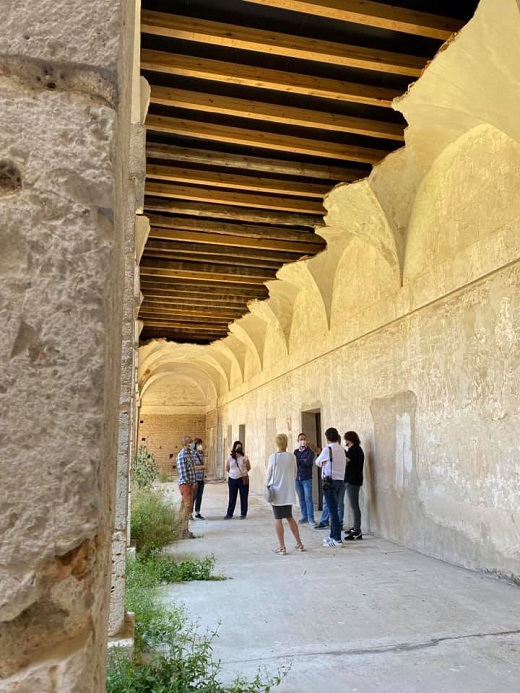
point(238, 466)
point(281, 471)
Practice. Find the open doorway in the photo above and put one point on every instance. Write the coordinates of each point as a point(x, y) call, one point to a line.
point(311, 426)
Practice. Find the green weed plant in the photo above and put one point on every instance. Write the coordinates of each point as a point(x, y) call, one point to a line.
point(171, 656)
point(154, 523)
point(144, 468)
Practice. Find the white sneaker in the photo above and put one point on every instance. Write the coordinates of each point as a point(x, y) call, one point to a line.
point(332, 543)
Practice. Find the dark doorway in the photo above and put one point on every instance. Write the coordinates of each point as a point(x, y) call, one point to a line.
point(311, 426)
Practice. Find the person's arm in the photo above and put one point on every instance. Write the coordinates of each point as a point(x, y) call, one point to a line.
point(247, 463)
point(323, 457)
point(308, 460)
point(313, 447)
point(227, 465)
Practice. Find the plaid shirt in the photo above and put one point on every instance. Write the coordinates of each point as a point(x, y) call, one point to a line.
point(186, 461)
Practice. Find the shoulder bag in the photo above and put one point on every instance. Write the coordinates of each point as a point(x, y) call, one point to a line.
point(328, 482)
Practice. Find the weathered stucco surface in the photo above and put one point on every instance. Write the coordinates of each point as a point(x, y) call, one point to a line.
point(64, 119)
point(406, 328)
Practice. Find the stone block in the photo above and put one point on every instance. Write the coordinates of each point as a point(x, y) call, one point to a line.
point(67, 31)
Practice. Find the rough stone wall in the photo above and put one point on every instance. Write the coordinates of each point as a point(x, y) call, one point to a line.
point(410, 318)
point(64, 113)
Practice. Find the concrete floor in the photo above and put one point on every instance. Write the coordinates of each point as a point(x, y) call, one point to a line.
point(369, 617)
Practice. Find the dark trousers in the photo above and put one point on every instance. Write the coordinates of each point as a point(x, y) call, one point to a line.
point(237, 486)
point(331, 496)
point(197, 498)
point(353, 497)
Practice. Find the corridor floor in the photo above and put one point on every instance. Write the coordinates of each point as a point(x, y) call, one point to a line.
point(369, 617)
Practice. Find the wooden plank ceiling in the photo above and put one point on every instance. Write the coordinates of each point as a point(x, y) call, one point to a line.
point(258, 108)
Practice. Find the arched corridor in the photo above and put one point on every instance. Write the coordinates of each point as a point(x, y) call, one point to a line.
point(232, 222)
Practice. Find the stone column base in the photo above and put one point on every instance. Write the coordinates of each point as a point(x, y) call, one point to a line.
point(124, 641)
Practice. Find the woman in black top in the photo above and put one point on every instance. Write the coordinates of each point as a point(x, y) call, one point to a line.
point(354, 481)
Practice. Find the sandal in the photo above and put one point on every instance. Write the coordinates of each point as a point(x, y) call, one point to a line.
point(281, 550)
point(300, 547)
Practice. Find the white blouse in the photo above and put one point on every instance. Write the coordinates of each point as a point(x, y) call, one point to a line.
point(281, 473)
point(238, 467)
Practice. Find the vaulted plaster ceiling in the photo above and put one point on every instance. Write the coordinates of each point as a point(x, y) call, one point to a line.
point(258, 108)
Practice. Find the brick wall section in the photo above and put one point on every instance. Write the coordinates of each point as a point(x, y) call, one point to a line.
point(162, 435)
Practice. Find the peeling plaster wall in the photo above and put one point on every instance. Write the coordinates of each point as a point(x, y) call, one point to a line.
point(434, 397)
point(64, 134)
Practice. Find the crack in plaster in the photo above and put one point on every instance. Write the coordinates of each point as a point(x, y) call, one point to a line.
point(397, 647)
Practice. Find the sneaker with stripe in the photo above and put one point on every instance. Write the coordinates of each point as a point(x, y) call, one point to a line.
point(331, 543)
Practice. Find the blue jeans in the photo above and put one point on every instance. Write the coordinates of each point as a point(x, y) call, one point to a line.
point(331, 496)
point(341, 508)
point(304, 491)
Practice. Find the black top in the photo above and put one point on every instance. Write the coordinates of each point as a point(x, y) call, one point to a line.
point(354, 471)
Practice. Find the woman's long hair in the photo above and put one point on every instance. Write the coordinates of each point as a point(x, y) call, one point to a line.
point(352, 437)
point(234, 449)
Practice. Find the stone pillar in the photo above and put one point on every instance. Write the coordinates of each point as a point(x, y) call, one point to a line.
point(64, 143)
point(120, 626)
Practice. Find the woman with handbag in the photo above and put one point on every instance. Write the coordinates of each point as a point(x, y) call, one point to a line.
point(238, 467)
point(280, 474)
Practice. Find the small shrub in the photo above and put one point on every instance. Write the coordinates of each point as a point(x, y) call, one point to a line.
point(144, 468)
point(165, 569)
point(154, 523)
point(164, 477)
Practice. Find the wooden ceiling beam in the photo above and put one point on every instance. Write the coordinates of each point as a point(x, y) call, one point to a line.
point(264, 140)
point(200, 300)
point(201, 288)
point(218, 259)
point(201, 250)
point(235, 199)
point(194, 299)
point(172, 290)
point(192, 271)
point(160, 334)
point(260, 216)
point(242, 235)
point(192, 311)
point(261, 77)
point(205, 240)
point(274, 113)
point(274, 43)
point(192, 304)
point(170, 152)
point(217, 179)
point(182, 327)
point(376, 14)
point(188, 320)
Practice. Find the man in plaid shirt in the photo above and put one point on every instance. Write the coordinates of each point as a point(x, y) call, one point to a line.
point(186, 461)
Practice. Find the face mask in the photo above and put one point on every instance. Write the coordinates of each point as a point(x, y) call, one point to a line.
point(303, 443)
point(239, 451)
